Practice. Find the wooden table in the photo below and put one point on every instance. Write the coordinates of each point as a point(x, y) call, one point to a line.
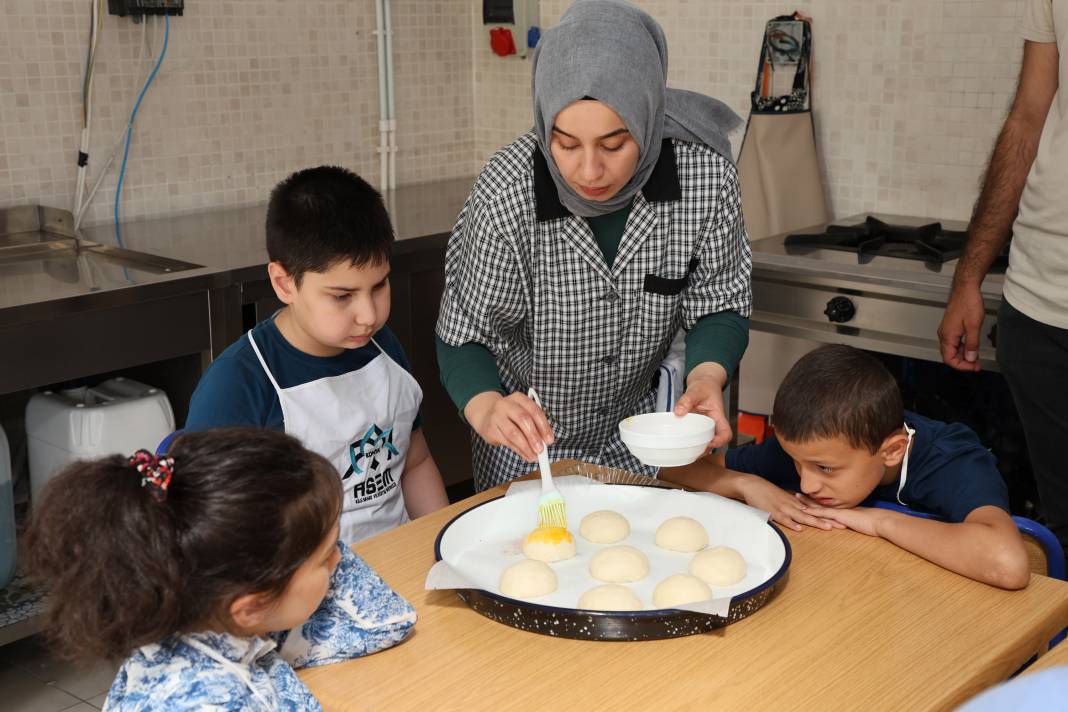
point(857, 624)
point(1054, 658)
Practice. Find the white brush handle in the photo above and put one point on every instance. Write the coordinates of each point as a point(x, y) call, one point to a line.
point(543, 454)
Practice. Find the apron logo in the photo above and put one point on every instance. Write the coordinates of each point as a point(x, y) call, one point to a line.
point(371, 451)
point(369, 458)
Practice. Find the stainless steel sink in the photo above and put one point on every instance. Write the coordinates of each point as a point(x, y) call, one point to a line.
point(40, 252)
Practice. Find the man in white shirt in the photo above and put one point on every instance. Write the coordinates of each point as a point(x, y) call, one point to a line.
point(1025, 199)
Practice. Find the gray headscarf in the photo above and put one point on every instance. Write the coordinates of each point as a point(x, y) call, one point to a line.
point(612, 51)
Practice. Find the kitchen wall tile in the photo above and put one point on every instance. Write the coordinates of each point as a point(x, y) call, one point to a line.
point(909, 94)
point(250, 90)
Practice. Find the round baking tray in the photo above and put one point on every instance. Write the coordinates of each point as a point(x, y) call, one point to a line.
point(611, 625)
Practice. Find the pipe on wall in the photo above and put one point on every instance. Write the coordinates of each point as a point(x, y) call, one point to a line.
point(387, 125)
point(392, 127)
point(383, 96)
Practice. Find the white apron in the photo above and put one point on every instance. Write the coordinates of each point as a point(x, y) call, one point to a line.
point(362, 423)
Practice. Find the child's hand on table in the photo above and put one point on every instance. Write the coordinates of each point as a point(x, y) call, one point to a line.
point(860, 519)
point(785, 508)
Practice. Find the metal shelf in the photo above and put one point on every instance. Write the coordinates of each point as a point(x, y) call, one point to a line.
point(22, 608)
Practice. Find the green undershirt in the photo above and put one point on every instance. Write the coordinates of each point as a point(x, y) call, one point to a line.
point(608, 231)
point(471, 369)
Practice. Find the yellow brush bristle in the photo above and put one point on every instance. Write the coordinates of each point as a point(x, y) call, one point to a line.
point(553, 514)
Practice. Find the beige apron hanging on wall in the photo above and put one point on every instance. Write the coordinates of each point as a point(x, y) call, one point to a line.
point(781, 187)
point(778, 167)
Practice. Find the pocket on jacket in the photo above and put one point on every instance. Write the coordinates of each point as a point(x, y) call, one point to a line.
point(664, 286)
point(655, 284)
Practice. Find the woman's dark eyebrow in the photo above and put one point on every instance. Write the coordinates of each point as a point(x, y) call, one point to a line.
point(610, 134)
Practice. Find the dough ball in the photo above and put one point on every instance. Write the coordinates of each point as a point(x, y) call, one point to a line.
point(610, 597)
point(680, 589)
point(681, 534)
point(719, 566)
point(619, 564)
point(528, 579)
point(604, 527)
point(549, 544)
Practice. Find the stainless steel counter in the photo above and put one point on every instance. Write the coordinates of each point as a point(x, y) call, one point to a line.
point(225, 246)
point(71, 308)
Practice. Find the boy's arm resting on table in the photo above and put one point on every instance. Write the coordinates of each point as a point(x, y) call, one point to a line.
point(421, 483)
point(360, 615)
point(710, 474)
point(985, 547)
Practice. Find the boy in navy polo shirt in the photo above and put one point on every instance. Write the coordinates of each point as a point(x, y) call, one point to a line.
point(842, 438)
point(325, 368)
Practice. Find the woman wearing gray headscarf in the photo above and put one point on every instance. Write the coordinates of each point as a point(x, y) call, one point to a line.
point(583, 248)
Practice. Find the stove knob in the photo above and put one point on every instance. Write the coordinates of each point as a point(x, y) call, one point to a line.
point(840, 310)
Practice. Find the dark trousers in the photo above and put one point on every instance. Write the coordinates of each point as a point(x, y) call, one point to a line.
point(1034, 359)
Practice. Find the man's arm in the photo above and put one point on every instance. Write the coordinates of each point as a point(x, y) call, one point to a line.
point(991, 224)
point(424, 491)
point(985, 547)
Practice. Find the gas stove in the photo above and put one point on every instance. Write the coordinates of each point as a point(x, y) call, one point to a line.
point(931, 243)
point(874, 281)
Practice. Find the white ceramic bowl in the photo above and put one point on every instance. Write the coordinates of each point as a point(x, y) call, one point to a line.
point(665, 439)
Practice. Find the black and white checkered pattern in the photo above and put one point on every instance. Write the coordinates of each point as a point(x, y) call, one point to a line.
point(540, 296)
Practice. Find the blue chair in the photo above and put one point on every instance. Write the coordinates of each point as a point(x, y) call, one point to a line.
point(165, 444)
point(1034, 533)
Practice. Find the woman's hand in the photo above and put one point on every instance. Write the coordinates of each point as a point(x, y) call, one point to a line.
point(704, 395)
point(513, 420)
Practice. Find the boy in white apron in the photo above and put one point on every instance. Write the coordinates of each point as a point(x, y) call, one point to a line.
point(325, 368)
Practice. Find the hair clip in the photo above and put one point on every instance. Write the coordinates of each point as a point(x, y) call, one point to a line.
point(156, 472)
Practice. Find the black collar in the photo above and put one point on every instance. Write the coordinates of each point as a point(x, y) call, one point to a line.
point(662, 186)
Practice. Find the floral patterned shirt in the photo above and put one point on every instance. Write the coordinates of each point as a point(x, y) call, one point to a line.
point(360, 615)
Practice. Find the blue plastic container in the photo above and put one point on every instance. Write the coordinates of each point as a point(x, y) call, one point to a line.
point(7, 515)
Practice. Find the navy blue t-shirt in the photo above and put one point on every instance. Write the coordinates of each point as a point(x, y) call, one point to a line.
point(236, 391)
point(950, 473)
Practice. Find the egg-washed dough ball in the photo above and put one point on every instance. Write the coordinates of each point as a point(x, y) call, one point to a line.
point(619, 564)
point(610, 597)
point(528, 579)
point(680, 589)
point(681, 534)
point(719, 566)
point(549, 544)
point(604, 527)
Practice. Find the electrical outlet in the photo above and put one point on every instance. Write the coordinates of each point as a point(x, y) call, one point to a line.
point(139, 8)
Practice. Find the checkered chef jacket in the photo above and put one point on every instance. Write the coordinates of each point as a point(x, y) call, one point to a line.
point(526, 279)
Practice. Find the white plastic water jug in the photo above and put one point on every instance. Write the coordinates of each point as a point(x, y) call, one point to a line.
point(117, 416)
point(7, 515)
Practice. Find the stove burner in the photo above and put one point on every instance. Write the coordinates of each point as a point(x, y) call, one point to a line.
point(930, 243)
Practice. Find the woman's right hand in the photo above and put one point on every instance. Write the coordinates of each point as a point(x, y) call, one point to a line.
point(513, 420)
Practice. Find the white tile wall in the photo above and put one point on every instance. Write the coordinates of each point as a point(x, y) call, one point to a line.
point(250, 90)
point(909, 94)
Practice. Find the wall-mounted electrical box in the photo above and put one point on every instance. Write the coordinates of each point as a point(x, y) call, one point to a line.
point(139, 8)
point(514, 25)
